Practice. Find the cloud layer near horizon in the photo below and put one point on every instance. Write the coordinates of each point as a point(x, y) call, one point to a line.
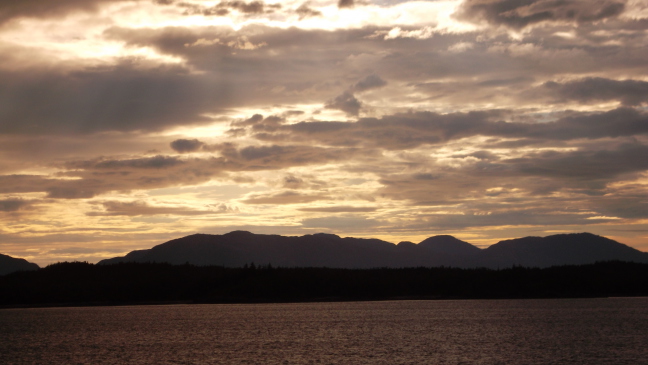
point(124, 122)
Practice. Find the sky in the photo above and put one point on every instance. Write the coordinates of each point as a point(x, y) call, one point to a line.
point(127, 123)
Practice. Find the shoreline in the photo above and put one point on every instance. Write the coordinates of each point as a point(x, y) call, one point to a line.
point(313, 300)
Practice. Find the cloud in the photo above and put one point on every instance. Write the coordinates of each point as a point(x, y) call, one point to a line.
point(55, 188)
point(14, 205)
point(346, 4)
point(84, 250)
point(584, 165)
point(89, 178)
point(368, 83)
point(286, 197)
point(298, 65)
point(10, 9)
point(259, 123)
point(139, 208)
point(84, 179)
point(156, 162)
point(345, 102)
point(339, 209)
point(224, 7)
point(276, 156)
point(305, 11)
point(411, 130)
point(187, 145)
point(398, 32)
point(541, 186)
point(595, 89)
point(119, 98)
point(519, 14)
point(341, 223)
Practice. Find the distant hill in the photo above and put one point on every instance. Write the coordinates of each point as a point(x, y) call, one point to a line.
point(445, 244)
point(235, 249)
point(560, 249)
point(10, 264)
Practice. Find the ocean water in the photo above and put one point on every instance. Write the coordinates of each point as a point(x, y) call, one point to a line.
point(554, 331)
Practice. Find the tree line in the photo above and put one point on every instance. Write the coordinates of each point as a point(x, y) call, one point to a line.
point(82, 283)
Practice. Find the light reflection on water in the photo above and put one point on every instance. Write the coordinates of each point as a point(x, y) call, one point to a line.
point(560, 331)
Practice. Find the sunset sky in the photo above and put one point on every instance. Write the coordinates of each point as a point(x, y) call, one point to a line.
point(126, 123)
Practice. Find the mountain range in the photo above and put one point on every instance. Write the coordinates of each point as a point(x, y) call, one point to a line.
point(10, 264)
point(238, 248)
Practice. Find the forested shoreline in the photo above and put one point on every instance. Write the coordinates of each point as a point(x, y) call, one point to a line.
point(80, 283)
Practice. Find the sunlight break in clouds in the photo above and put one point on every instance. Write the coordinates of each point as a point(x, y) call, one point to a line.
point(125, 123)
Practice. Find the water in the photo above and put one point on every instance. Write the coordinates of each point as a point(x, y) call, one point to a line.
point(559, 331)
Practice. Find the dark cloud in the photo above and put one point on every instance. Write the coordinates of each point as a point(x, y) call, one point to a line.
point(520, 13)
point(195, 9)
point(277, 156)
point(425, 176)
point(297, 65)
point(410, 130)
point(120, 98)
point(305, 11)
point(505, 82)
point(252, 7)
point(10, 9)
point(584, 165)
point(345, 102)
point(86, 179)
point(292, 182)
point(259, 123)
point(82, 190)
point(13, 205)
point(55, 188)
point(577, 181)
point(339, 209)
point(138, 208)
point(286, 197)
point(368, 83)
point(224, 7)
point(399, 131)
point(99, 176)
point(187, 145)
point(128, 97)
point(593, 89)
point(346, 3)
point(341, 223)
point(156, 162)
point(631, 206)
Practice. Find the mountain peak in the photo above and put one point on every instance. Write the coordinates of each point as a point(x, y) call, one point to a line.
point(449, 245)
point(239, 233)
point(561, 249)
point(10, 264)
point(326, 235)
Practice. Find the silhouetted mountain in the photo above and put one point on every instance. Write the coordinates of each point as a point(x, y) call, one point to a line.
point(560, 249)
point(235, 249)
point(449, 245)
point(10, 264)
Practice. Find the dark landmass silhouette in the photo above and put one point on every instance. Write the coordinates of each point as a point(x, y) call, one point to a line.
point(237, 248)
point(10, 264)
point(242, 267)
point(78, 283)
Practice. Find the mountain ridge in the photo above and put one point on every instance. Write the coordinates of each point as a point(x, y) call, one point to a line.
point(237, 248)
point(10, 264)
